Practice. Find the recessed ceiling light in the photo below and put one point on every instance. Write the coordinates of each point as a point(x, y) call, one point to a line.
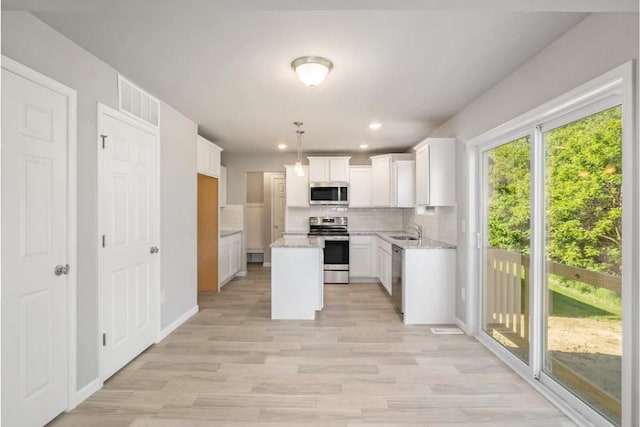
point(363, 146)
point(282, 146)
point(375, 126)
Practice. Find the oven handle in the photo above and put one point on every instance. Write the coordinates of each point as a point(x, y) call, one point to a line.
point(336, 238)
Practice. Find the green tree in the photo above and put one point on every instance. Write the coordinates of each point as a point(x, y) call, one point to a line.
point(583, 197)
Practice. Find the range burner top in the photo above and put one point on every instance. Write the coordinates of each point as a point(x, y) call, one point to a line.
point(328, 226)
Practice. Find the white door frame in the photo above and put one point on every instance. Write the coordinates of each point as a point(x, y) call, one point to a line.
point(621, 81)
point(274, 176)
point(117, 115)
point(71, 95)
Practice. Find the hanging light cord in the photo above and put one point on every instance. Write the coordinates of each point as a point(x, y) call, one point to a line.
point(299, 132)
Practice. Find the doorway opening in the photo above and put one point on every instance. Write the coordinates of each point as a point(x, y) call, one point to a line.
point(265, 207)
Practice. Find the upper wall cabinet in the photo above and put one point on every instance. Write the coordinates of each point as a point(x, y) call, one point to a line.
point(403, 176)
point(436, 172)
point(329, 169)
point(389, 181)
point(208, 157)
point(360, 187)
point(297, 188)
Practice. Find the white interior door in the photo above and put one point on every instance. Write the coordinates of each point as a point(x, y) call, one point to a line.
point(34, 241)
point(277, 207)
point(128, 266)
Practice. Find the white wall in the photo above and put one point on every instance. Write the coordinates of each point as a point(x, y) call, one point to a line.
point(597, 44)
point(36, 45)
point(178, 214)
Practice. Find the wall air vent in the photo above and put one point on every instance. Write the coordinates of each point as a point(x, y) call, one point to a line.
point(137, 103)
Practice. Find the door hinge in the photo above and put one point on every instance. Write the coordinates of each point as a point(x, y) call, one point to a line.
point(479, 240)
point(104, 138)
point(104, 340)
point(104, 241)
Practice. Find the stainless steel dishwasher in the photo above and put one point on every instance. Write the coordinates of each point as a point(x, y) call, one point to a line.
point(397, 253)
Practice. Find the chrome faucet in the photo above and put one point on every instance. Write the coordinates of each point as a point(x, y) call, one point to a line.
point(416, 227)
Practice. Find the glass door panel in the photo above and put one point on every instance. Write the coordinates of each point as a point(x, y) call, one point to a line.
point(507, 213)
point(583, 252)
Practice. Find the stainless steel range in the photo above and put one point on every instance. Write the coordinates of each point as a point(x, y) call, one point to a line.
point(336, 246)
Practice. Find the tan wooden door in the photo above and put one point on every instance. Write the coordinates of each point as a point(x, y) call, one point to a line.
point(207, 234)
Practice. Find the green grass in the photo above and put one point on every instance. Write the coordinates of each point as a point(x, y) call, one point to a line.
point(576, 299)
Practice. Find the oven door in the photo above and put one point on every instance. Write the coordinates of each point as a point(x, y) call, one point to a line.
point(336, 260)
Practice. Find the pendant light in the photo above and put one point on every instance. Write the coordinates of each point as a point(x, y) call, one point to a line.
point(298, 166)
point(312, 70)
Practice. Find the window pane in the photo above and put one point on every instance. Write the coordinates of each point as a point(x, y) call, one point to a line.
point(583, 217)
point(506, 256)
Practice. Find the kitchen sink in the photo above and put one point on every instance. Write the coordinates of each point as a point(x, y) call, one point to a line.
point(404, 237)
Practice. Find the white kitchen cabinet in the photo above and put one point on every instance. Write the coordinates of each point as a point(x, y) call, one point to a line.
point(436, 172)
point(362, 251)
point(384, 260)
point(292, 298)
point(360, 187)
point(403, 183)
point(208, 157)
point(386, 183)
point(222, 187)
point(229, 257)
point(297, 188)
point(329, 169)
point(429, 283)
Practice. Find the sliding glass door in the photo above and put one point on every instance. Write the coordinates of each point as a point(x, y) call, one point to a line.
point(507, 198)
point(551, 258)
point(583, 259)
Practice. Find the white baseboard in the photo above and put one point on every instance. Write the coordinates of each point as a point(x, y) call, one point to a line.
point(86, 391)
point(241, 273)
point(266, 264)
point(460, 324)
point(176, 323)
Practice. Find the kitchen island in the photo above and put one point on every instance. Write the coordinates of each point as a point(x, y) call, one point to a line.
point(297, 277)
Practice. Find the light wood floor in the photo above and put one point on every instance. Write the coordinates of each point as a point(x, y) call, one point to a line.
point(230, 365)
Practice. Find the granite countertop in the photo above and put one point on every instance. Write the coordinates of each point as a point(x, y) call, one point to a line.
point(225, 233)
point(424, 243)
point(299, 242)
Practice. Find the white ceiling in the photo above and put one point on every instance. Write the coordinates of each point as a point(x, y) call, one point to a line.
point(227, 67)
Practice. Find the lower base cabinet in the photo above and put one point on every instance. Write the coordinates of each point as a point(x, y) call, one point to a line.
point(229, 256)
point(429, 283)
point(384, 264)
point(362, 257)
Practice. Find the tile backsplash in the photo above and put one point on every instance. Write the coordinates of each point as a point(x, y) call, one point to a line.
point(361, 219)
point(438, 224)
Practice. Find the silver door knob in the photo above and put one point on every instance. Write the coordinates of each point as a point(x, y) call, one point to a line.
point(59, 270)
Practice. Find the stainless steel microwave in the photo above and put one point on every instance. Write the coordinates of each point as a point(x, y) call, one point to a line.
point(329, 193)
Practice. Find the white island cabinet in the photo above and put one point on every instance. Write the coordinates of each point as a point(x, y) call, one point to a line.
point(297, 278)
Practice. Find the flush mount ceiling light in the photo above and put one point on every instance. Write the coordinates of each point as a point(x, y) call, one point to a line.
point(364, 146)
point(282, 146)
point(375, 126)
point(311, 70)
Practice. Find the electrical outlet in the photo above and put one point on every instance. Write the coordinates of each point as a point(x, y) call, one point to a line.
point(463, 294)
point(163, 296)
